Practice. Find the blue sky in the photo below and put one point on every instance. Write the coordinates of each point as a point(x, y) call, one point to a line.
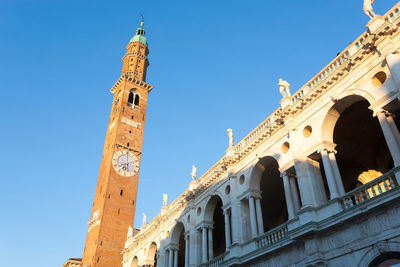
point(214, 65)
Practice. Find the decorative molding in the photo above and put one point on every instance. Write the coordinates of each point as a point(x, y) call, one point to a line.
point(129, 78)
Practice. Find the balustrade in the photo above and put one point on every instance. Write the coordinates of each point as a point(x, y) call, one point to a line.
point(277, 234)
point(216, 261)
point(370, 190)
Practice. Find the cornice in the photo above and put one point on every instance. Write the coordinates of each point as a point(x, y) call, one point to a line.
point(129, 78)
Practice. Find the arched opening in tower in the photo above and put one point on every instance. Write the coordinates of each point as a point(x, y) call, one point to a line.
point(362, 152)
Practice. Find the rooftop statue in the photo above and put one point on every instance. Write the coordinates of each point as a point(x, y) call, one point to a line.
point(368, 8)
point(194, 172)
point(165, 200)
point(144, 219)
point(130, 232)
point(230, 134)
point(284, 88)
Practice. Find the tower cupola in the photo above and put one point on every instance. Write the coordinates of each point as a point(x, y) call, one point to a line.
point(140, 34)
point(135, 61)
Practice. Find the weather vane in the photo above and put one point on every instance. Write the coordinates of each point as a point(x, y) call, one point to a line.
point(142, 22)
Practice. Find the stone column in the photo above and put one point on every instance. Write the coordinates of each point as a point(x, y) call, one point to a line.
point(236, 209)
point(330, 176)
point(195, 251)
point(210, 244)
point(389, 137)
point(394, 128)
point(305, 184)
point(393, 62)
point(295, 193)
point(187, 240)
point(227, 228)
point(260, 222)
point(288, 196)
point(335, 168)
point(253, 220)
point(171, 257)
point(204, 244)
point(175, 258)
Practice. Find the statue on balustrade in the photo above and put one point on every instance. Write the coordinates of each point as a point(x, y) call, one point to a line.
point(130, 233)
point(230, 134)
point(368, 8)
point(284, 88)
point(194, 172)
point(165, 200)
point(144, 219)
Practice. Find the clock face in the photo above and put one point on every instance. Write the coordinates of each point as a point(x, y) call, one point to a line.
point(125, 163)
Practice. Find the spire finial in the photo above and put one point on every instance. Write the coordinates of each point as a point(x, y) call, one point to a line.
point(142, 22)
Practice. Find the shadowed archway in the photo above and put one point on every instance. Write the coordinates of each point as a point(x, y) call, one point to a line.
point(178, 240)
point(214, 214)
point(362, 152)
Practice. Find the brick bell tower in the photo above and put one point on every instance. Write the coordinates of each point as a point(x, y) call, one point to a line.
point(114, 202)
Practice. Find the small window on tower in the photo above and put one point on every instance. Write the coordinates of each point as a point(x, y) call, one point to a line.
point(133, 202)
point(109, 196)
point(127, 144)
point(98, 259)
point(133, 99)
point(119, 210)
point(121, 192)
point(130, 98)
point(137, 100)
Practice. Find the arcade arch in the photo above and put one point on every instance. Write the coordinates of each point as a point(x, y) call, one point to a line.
point(362, 152)
point(266, 202)
point(177, 251)
point(151, 259)
point(214, 218)
point(273, 204)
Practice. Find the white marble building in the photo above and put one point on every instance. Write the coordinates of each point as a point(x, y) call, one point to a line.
point(315, 184)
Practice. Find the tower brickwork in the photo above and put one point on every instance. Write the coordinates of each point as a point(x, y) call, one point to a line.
point(115, 198)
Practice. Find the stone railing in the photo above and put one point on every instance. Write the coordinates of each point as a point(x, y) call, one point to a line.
point(263, 130)
point(393, 14)
point(272, 236)
point(372, 189)
point(323, 75)
point(216, 261)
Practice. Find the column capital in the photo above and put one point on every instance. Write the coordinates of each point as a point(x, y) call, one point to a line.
point(206, 225)
point(254, 195)
point(377, 111)
point(327, 146)
point(227, 211)
point(172, 247)
point(289, 174)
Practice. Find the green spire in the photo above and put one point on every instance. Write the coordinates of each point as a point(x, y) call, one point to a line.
point(140, 34)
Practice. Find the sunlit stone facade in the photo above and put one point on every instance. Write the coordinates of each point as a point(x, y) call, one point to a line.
point(315, 184)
